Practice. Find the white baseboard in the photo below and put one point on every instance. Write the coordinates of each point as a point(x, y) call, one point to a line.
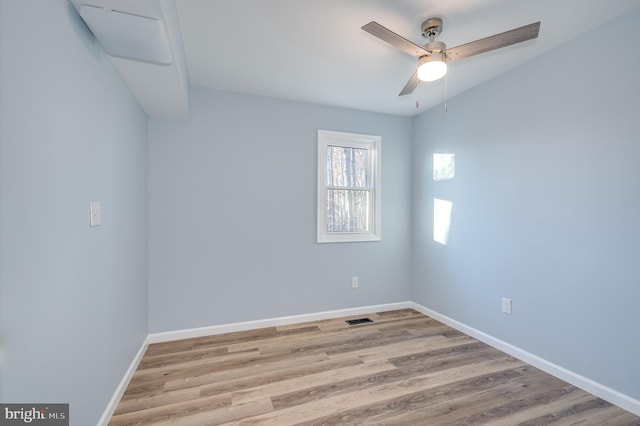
point(271, 322)
point(122, 386)
point(601, 391)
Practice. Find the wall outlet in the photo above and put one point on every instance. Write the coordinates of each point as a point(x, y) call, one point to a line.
point(354, 282)
point(506, 305)
point(95, 216)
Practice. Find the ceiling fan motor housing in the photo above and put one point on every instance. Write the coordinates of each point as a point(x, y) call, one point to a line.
point(435, 46)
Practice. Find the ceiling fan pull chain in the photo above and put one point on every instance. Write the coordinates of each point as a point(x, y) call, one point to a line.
point(446, 95)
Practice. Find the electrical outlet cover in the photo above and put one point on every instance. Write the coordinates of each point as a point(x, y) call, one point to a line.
point(506, 305)
point(95, 216)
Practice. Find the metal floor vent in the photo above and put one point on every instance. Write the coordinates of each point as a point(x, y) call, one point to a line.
point(359, 321)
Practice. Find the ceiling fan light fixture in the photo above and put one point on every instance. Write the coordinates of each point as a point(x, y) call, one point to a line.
point(432, 67)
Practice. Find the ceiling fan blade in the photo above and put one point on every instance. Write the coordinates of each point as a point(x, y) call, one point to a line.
point(394, 39)
point(493, 42)
point(411, 84)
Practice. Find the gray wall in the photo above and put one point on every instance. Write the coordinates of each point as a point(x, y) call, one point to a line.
point(232, 199)
point(545, 206)
point(73, 304)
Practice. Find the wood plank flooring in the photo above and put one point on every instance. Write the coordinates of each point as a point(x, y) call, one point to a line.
point(403, 369)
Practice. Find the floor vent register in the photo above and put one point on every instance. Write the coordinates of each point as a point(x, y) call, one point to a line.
point(359, 321)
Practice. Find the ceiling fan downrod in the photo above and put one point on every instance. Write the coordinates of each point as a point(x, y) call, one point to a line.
point(431, 28)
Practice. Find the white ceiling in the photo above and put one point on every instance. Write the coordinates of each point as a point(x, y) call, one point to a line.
point(314, 50)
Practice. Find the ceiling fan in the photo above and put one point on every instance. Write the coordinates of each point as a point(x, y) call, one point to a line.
point(433, 56)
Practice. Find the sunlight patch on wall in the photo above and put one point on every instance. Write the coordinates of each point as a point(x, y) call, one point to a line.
point(444, 166)
point(441, 220)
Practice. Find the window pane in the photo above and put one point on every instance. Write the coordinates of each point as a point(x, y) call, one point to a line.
point(347, 166)
point(347, 210)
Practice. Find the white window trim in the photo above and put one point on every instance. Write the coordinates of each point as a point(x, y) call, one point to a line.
point(354, 140)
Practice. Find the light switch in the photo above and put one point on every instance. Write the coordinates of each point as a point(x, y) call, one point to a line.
point(94, 213)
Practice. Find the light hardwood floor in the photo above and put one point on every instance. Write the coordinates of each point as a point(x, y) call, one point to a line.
point(403, 369)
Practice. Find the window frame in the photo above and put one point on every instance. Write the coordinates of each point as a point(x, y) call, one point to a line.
point(372, 143)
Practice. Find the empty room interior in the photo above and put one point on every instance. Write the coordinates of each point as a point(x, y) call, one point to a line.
point(196, 215)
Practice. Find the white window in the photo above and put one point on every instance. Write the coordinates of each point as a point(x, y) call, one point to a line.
point(348, 187)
